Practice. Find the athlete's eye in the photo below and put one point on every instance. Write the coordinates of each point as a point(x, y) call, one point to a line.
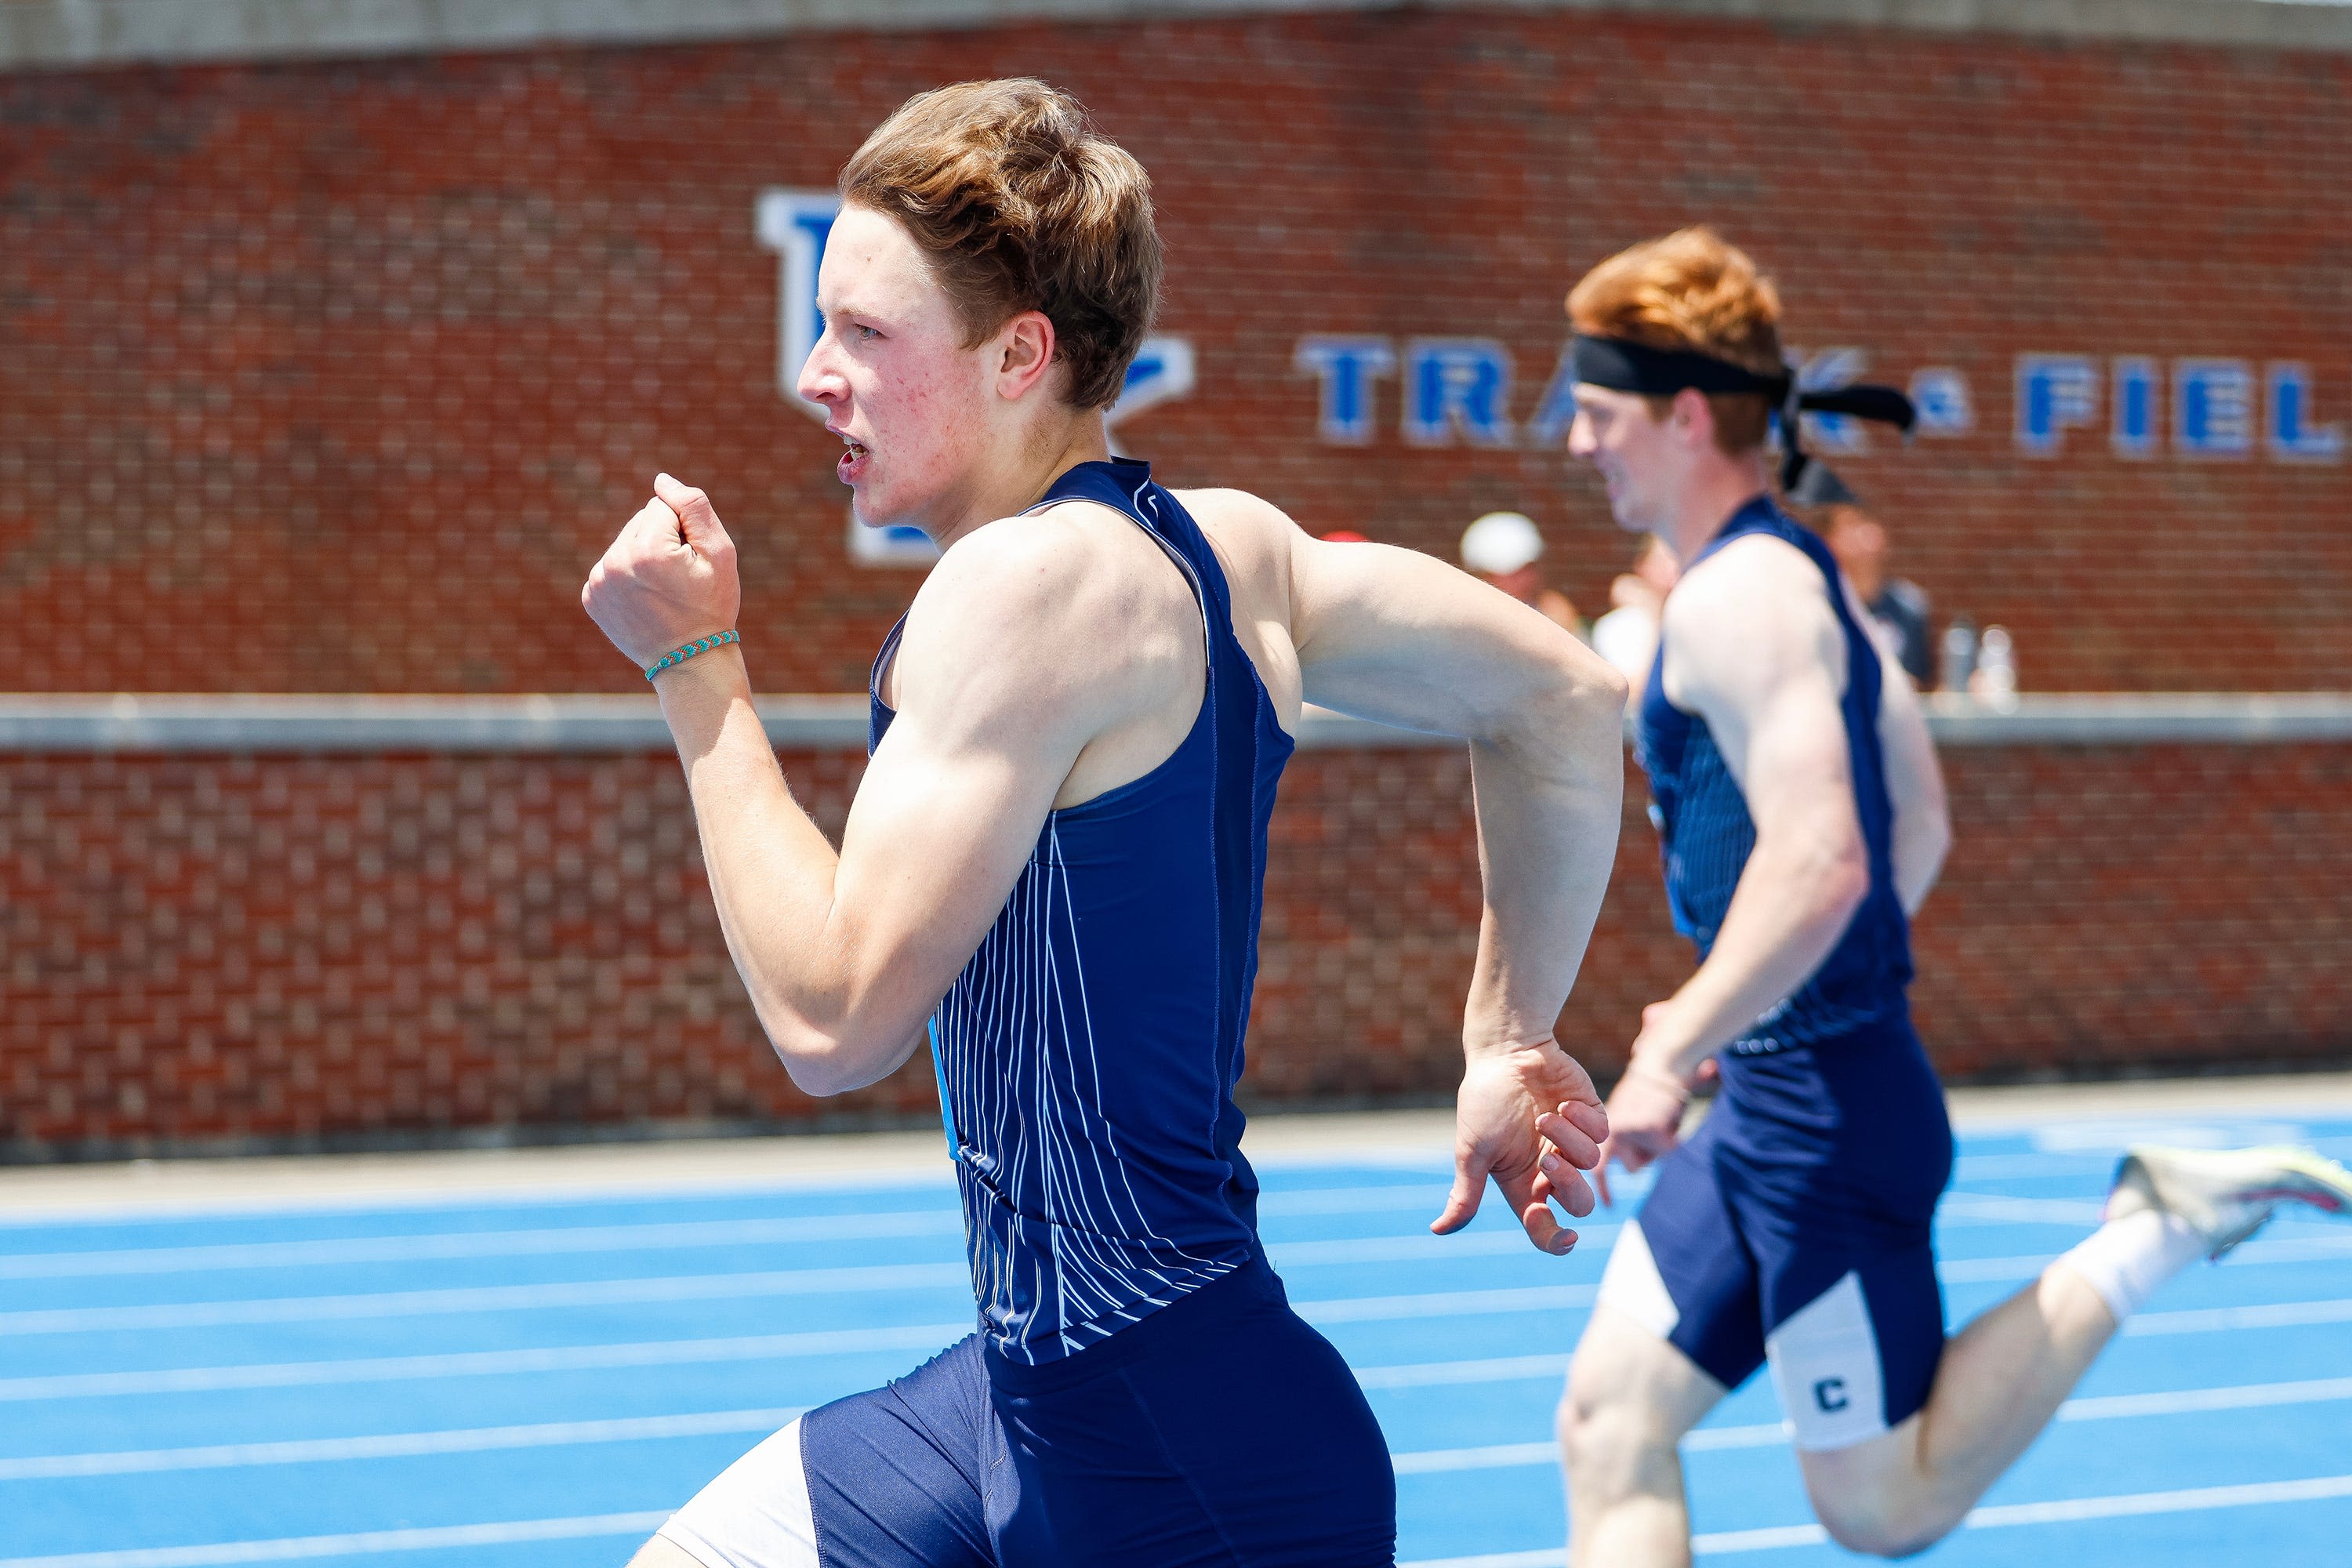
point(866, 334)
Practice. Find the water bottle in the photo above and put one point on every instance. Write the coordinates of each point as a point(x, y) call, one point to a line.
point(1996, 672)
point(1960, 657)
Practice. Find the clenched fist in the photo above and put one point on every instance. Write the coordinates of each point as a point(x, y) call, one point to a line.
point(668, 579)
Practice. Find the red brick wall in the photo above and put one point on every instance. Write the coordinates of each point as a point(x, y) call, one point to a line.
point(334, 376)
point(198, 949)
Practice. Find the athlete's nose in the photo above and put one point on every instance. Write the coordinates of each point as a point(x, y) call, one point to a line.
point(819, 379)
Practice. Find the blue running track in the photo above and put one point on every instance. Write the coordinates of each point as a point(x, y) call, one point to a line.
point(528, 1381)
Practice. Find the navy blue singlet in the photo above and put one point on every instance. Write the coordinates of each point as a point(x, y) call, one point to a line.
point(1705, 834)
point(1795, 1222)
point(1088, 1053)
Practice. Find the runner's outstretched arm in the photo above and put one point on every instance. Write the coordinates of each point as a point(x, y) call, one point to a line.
point(1402, 637)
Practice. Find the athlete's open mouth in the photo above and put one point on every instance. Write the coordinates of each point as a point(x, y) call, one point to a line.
point(852, 466)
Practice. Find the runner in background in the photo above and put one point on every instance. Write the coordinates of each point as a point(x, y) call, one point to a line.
point(1804, 822)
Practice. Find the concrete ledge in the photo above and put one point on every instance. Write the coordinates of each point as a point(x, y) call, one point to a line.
point(54, 35)
point(151, 724)
point(2135, 719)
point(330, 725)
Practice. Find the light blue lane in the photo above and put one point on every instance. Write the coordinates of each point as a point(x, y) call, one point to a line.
point(1350, 1246)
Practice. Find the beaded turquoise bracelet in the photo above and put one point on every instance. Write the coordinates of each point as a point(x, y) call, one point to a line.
point(678, 655)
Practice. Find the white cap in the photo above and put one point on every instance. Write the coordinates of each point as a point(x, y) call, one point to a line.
point(1500, 543)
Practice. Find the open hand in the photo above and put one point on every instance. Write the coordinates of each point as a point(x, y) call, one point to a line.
point(668, 579)
point(1495, 1134)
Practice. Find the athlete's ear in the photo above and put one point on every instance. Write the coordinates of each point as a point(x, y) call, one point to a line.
point(1693, 418)
point(1025, 351)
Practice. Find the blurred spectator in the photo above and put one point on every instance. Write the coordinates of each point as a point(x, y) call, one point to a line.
point(1627, 636)
point(1504, 548)
point(1898, 608)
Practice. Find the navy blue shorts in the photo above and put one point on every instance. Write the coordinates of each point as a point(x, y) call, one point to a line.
point(1219, 1431)
point(1794, 1228)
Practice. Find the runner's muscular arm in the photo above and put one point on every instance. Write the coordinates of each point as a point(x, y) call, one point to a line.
point(1923, 821)
point(1754, 648)
point(845, 955)
point(1399, 637)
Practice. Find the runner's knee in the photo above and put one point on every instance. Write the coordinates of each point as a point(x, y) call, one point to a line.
point(1606, 1429)
point(1880, 1512)
point(1875, 1532)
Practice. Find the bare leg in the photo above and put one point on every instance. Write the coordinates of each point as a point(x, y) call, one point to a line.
point(1631, 1398)
point(660, 1554)
point(2000, 1381)
point(2006, 1374)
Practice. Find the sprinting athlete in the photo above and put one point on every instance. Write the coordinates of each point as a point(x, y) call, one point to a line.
point(1804, 822)
point(1056, 858)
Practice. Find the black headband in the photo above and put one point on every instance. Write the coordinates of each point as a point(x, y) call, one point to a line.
point(1624, 365)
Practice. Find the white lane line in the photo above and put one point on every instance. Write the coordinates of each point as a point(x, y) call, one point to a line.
point(2265, 1250)
point(2183, 1401)
point(1445, 1373)
point(1713, 1543)
point(778, 1282)
point(1722, 1542)
point(480, 1363)
point(405, 1445)
point(2012, 1167)
point(1411, 1247)
point(889, 1277)
point(297, 1548)
point(1422, 1247)
point(1991, 1208)
point(540, 1243)
point(932, 1336)
point(1772, 1538)
point(2219, 1319)
point(1773, 1433)
point(2188, 1500)
point(676, 1352)
point(394, 1445)
point(1514, 1456)
point(1508, 1369)
point(653, 1235)
point(644, 1429)
point(1499, 1456)
point(900, 1277)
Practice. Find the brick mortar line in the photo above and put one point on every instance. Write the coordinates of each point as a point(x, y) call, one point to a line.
point(525, 726)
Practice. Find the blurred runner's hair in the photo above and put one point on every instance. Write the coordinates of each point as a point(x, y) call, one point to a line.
point(1692, 290)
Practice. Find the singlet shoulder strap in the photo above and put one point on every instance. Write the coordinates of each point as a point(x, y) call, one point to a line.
point(1762, 516)
point(1125, 486)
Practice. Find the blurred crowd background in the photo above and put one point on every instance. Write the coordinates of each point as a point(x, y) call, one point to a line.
point(337, 355)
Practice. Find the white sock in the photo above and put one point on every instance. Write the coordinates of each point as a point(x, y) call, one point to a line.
point(2126, 1259)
